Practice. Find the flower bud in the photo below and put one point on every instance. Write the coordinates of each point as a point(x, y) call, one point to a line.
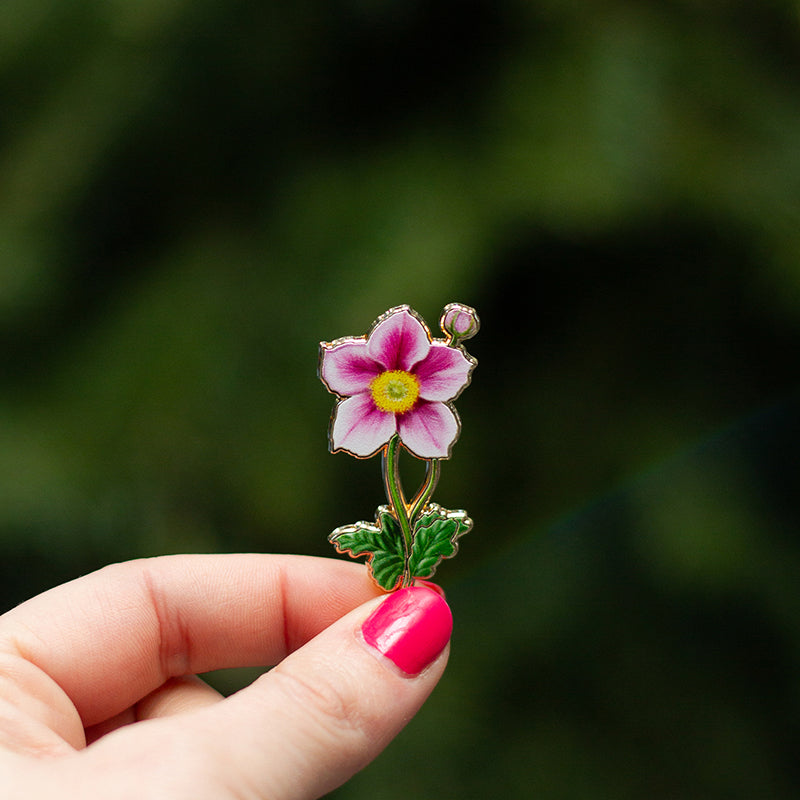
point(459, 322)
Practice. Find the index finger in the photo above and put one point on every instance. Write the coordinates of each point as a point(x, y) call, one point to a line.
point(111, 637)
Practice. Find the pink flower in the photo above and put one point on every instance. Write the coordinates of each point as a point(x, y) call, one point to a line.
point(394, 380)
point(459, 322)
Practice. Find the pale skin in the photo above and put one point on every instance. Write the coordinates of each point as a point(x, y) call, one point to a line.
point(99, 696)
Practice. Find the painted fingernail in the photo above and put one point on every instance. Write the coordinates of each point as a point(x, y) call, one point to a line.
point(434, 587)
point(410, 627)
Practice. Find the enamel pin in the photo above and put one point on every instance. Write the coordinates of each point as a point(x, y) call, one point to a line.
point(395, 389)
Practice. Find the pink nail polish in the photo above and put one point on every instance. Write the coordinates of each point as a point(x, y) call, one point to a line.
point(410, 627)
point(430, 585)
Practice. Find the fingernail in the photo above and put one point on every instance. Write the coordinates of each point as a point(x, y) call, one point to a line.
point(410, 627)
point(430, 585)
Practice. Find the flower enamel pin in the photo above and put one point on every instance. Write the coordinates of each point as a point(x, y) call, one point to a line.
point(395, 389)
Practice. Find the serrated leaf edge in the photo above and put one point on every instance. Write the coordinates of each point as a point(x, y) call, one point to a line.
point(438, 512)
point(373, 527)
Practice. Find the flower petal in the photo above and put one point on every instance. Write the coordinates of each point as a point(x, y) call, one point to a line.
point(429, 430)
point(399, 340)
point(443, 373)
point(359, 427)
point(346, 367)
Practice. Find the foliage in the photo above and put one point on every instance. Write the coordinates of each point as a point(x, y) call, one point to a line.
point(193, 195)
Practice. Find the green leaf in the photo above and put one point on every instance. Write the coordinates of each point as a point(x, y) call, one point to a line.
point(435, 537)
point(381, 542)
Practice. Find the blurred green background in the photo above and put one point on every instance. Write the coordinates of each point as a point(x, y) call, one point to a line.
point(194, 194)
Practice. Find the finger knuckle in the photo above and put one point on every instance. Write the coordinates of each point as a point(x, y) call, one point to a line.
point(335, 708)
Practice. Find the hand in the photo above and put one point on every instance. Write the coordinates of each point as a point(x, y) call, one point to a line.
point(99, 696)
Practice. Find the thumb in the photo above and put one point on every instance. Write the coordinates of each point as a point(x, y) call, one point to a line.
point(321, 715)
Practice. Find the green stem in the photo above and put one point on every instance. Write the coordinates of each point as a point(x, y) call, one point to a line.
point(432, 472)
point(394, 493)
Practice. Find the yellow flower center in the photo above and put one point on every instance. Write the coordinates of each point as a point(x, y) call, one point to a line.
point(395, 391)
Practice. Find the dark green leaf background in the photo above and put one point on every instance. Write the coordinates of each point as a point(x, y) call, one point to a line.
point(193, 195)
